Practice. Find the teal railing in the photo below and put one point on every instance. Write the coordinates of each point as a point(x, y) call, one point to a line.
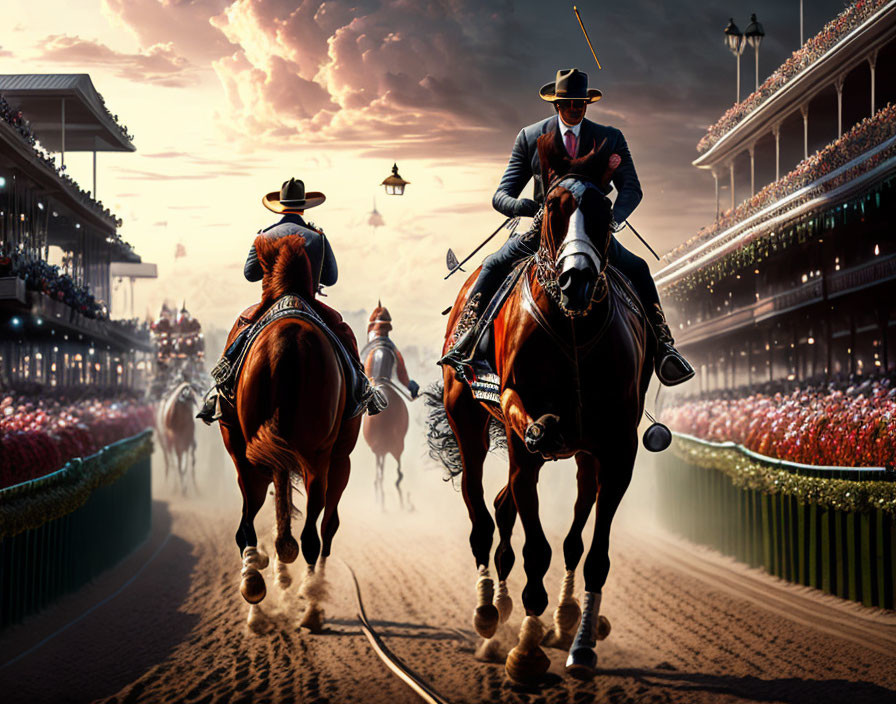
point(59, 531)
point(832, 528)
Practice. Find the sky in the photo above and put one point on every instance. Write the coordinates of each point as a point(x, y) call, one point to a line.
point(228, 99)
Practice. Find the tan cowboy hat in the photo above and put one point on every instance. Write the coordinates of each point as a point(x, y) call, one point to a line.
point(292, 196)
point(571, 84)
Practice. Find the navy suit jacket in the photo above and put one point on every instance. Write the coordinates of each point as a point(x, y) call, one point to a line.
point(323, 261)
point(524, 165)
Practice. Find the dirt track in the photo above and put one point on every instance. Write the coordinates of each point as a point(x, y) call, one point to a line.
point(688, 626)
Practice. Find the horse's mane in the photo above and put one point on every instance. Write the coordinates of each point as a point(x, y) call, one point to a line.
point(286, 267)
point(555, 161)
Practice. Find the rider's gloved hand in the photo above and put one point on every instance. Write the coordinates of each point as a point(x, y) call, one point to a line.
point(414, 388)
point(525, 208)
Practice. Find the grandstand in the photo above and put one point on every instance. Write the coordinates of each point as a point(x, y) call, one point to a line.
point(796, 282)
point(783, 448)
point(58, 242)
point(75, 429)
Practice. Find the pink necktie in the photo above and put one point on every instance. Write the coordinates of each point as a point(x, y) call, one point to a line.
point(570, 141)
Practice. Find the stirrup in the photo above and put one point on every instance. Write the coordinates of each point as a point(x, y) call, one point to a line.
point(671, 368)
point(376, 401)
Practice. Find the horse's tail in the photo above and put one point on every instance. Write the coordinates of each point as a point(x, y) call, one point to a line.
point(443, 447)
point(268, 449)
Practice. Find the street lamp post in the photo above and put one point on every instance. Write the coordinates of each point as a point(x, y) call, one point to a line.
point(754, 35)
point(734, 40)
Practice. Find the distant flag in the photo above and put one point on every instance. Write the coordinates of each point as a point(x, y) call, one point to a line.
point(375, 220)
point(180, 251)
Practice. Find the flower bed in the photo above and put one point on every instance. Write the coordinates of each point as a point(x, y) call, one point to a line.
point(855, 427)
point(39, 435)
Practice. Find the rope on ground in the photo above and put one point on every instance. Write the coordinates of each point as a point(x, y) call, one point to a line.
point(392, 661)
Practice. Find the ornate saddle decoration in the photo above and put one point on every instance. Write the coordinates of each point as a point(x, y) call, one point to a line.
point(288, 306)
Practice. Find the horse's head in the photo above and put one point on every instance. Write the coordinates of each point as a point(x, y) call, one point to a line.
point(575, 228)
point(576, 234)
point(286, 267)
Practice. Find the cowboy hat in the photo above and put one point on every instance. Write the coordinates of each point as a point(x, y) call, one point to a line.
point(292, 196)
point(571, 84)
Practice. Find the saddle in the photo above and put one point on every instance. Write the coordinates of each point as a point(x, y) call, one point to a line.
point(294, 306)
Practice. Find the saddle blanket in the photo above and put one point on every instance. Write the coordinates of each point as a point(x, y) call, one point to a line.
point(296, 307)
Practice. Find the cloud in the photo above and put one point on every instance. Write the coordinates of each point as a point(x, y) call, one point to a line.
point(377, 73)
point(158, 64)
point(184, 24)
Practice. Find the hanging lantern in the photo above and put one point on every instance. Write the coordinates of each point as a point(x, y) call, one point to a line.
point(394, 184)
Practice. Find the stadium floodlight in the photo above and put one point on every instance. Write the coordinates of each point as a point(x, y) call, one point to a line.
point(734, 40)
point(394, 184)
point(754, 34)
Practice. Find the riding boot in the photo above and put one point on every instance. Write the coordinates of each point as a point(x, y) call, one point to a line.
point(671, 367)
point(211, 407)
point(221, 373)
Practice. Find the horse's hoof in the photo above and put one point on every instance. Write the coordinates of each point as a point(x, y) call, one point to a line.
point(485, 620)
point(581, 663)
point(603, 627)
point(287, 549)
point(543, 436)
point(527, 667)
point(252, 585)
point(313, 619)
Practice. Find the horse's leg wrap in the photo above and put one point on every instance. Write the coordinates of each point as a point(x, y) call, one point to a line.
point(582, 659)
point(566, 615)
point(485, 616)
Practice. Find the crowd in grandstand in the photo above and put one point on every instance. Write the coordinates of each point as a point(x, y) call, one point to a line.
point(829, 424)
point(38, 435)
point(863, 136)
point(50, 280)
point(17, 120)
point(805, 56)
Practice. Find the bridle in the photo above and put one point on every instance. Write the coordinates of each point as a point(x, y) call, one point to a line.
point(550, 254)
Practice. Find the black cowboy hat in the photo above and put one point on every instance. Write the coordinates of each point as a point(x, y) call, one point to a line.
point(292, 196)
point(571, 84)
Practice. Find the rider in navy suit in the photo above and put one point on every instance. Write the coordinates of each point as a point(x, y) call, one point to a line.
point(570, 96)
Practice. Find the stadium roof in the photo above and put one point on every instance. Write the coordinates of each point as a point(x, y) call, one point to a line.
point(88, 124)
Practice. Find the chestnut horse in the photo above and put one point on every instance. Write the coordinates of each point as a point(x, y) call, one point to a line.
point(572, 354)
point(289, 423)
point(177, 432)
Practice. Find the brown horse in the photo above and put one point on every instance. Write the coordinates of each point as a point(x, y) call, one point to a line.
point(385, 432)
point(289, 423)
point(177, 432)
point(572, 355)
